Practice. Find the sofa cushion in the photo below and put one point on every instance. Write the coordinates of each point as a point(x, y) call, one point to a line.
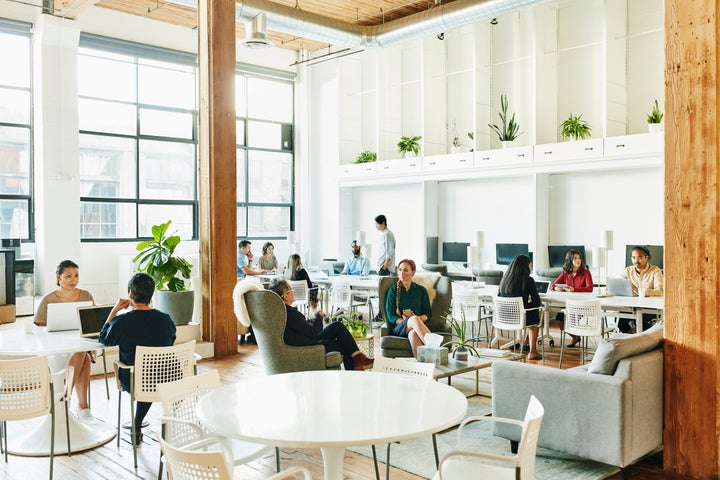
point(611, 350)
point(428, 280)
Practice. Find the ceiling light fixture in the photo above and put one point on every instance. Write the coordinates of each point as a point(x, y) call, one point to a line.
point(256, 33)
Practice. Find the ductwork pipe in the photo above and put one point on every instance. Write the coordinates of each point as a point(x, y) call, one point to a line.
point(294, 21)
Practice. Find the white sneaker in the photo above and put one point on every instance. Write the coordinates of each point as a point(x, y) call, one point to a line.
point(84, 415)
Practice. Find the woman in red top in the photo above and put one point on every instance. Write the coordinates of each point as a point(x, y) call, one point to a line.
point(574, 278)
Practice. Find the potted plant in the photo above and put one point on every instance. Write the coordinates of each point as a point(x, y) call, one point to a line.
point(157, 258)
point(366, 157)
point(409, 144)
point(456, 144)
point(463, 344)
point(508, 129)
point(352, 321)
point(654, 118)
point(575, 128)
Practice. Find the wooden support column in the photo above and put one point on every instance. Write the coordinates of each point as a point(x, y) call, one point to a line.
point(692, 214)
point(216, 56)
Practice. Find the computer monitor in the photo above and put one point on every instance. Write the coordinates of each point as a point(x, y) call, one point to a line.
point(505, 253)
point(455, 251)
point(656, 255)
point(556, 253)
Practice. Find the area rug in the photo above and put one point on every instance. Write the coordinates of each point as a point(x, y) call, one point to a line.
point(416, 456)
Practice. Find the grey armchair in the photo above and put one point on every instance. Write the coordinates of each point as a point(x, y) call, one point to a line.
point(392, 346)
point(436, 267)
point(268, 317)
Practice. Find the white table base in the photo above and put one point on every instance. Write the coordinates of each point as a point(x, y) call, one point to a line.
point(333, 459)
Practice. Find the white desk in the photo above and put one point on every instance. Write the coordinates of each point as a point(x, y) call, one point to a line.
point(14, 342)
point(331, 410)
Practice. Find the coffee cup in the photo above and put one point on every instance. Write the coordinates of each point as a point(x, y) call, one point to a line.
point(641, 292)
point(28, 324)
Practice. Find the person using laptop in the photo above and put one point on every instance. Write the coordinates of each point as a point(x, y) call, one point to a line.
point(141, 325)
point(642, 274)
point(67, 277)
point(574, 278)
point(356, 264)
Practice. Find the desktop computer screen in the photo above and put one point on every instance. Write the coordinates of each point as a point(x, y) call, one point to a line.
point(556, 254)
point(455, 251)
point(505, 253)
point(656, 255)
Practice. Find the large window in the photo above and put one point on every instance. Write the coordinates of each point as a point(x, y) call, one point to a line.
point(138, 139)
point(265, 163)
point(15, 131)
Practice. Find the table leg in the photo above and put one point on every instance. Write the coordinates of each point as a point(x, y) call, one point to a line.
point(333, 459)
point(638, 320)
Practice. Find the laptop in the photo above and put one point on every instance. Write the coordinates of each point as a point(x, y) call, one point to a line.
point(63, 316)
point(620, 287)
point(542, 287)
point(91, 319)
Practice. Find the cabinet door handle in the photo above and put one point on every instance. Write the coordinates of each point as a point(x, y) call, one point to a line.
point(486, 158)
point(521, 155)
point(432, 163)
point(589, 148)
point(620, 145)
point(548, 152)
point(462, 160)
point(413, 164)
point(386, 168)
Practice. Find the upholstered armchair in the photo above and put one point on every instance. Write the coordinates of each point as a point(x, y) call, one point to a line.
point(268, 317)
point(441, 268)
point(440, 292)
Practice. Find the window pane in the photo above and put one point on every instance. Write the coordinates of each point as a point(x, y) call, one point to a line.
point(270, 100)
point(113, 79)
point(240, 93)
point(162, 123)
point(14, 161)
point(241, 176)
point(110, 117)
point(171, 86)
point(107, 220)
point(14, 106)
point(269, 177)
point(181, 216)
point(15, 69)
point(268, 221)
point(240, 132)
point(241, 221)
point(107, 167)
point(167, 170)
point(264, 135)
point(14, 219)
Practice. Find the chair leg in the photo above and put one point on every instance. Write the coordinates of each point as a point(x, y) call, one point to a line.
point(377, 471)
point(133, 431)
point(277, 459)
point(118, 418)
point(562, 347)
point(52, 432)
point(387, 463)
point(160, 467)
point(67, 423)
point(435, 451)
point(107, 386)
point(4, 439)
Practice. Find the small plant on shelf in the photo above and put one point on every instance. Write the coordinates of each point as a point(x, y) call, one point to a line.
point(575, 127)
point(366, 157)
point(508, 130)
point(353, 322)
point(656, 115)
point(409, 144)
point(452, 129)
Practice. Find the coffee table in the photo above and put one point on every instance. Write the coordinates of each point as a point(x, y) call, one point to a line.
point(457, 367)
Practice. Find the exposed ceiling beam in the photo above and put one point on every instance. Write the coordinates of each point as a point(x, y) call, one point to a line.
point(72, 8)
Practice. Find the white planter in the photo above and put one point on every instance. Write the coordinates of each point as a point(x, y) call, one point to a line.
point(506, 143)
point(655, 127)
point(454, 149)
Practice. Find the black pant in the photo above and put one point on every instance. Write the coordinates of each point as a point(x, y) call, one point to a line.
point(336, 338)
point(383, 272)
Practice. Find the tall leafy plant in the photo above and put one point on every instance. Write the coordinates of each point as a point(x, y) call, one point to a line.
point(157, 258)
point(508, 130)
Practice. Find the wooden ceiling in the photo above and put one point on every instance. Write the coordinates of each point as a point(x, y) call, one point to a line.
point(360, 12)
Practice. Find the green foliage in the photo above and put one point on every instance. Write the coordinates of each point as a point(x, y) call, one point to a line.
point(157, 259)
point(459, 328)
point(356, 327)
point(575, 128)
point(656, 115)
point(366, 157)
point(509, 130)
point(471, 136)
point(409, 144)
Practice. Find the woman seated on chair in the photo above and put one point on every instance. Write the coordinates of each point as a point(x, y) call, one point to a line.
point(301, 332)
point(295, 271)
point(267, 260)
point(408, 307)
point(517, 282)
point(140, 325)
point(67, 277)
point(576, 278)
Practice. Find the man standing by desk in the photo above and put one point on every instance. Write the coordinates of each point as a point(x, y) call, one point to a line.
point(643, 275)
point(386, 262)
point(356, 264)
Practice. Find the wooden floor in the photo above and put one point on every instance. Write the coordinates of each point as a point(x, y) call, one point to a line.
point(111, 462)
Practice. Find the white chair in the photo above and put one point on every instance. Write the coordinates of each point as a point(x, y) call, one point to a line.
point(302, 293)
point(468, 302)
point(462, 464)
point(153, 365)
point(403, 367)
point(27, 392)
point(509, 313)
point(190, 465)
point(584, 318)
point(181, 426)
point(342, 297)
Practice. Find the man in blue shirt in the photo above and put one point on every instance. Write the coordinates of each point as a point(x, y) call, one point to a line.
point(244, 257)
point(356, 264)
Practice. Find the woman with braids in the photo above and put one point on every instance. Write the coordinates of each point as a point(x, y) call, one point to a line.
point(408, 307)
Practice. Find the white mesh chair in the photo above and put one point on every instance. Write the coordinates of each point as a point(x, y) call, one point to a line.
point(403, 367)
point(584, 318)
point(302, 293)
point(181, 427)
point(342, 297)
point(27, 392)
point(189, 465)
point(153, 365)
point(509, 314)
point(468, 302)
point(462, 464)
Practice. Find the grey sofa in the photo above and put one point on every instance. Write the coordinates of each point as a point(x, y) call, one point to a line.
point(614, 419)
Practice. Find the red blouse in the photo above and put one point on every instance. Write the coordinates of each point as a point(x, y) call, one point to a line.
point(582, 282)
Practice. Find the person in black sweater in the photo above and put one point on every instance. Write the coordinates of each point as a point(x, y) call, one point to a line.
point(295, 271)
point(517, 282)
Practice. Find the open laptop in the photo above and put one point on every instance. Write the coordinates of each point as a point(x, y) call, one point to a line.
point(63, 316)
point(542, 287)
point(91, 319)
point(620, 287)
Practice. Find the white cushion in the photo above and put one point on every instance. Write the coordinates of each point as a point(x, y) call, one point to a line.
point(610, 351)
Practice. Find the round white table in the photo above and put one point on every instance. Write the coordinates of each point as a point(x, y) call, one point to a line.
point(14, 342)
point(331, 410)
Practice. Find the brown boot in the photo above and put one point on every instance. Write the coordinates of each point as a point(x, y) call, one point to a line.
point(362, 362)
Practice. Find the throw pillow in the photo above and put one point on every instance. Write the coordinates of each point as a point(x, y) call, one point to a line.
point(428, 280)
point(610, 351)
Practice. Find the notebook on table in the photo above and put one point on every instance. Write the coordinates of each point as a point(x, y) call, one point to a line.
point(63, 316)
point(91, 319)
point(620, 287)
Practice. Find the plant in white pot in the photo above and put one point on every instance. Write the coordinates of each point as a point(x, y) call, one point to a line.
point(575, 128)
point(463, 344)
point(654, 118)
point(157, 258)
point(409, 144)
point(508, 130)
